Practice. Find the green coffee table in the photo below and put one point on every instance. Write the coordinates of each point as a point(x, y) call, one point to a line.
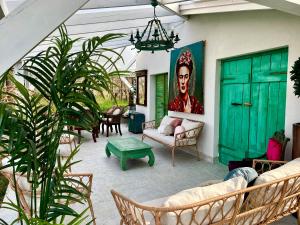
point(129, 148)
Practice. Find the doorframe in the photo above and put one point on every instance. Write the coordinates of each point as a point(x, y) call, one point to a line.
point(217, 113)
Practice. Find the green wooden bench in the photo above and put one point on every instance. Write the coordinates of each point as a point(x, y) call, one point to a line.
point(129, 148)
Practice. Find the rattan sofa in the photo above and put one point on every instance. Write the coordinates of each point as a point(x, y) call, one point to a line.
point(173, 142)
point(280, 198)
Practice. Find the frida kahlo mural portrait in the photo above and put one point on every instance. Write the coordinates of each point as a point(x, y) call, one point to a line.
point(186, 79)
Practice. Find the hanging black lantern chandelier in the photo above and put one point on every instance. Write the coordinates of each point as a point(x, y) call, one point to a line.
point(154, 37)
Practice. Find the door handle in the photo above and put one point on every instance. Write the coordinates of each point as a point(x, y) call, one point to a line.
point(247, 104)
point(236, 104)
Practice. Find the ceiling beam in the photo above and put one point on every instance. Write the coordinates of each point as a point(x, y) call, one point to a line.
point(100, 16)
point(218, 6)
point(173, 8)
point(126, 24)
point(96, 4)
point(26, 26)
point(172, 1)
point(291, 7)
point(125, 31)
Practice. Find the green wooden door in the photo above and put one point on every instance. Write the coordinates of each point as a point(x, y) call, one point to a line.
point(253, 92)
point(234, 127)
point(161, 97)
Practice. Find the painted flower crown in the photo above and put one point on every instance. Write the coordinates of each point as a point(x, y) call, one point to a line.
point(185, 58)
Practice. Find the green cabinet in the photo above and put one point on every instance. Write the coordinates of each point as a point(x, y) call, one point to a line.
point(253, 93)
point(135, 122)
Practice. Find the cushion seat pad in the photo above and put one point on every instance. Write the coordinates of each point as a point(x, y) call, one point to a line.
point(153, 133)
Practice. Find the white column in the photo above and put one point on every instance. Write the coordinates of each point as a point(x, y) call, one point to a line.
point(29, 24)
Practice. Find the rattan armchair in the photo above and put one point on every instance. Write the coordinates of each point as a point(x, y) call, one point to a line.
point(188, 138)
point(241, 207)
point(24, 193)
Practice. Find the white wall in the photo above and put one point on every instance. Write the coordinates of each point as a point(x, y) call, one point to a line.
point(228, 35)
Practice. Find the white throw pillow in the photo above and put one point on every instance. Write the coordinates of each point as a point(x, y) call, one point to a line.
point(198, 194)
point(169, 130)
point(161, 128)
point(116, 111)
point(165, 122)
point(288, 169)
point(189, 125)
point(272, 193)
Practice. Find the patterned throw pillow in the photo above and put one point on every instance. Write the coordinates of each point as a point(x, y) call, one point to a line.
point(176, 122)
point(248, 173)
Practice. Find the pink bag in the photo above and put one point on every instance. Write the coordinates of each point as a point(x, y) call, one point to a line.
point(274, 150)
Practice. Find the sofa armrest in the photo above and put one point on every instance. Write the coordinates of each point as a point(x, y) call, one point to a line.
point(81, 182)
point(152, 124)
point(149, 125)
point(188, 137)
point(262, 166)
point(189, 134)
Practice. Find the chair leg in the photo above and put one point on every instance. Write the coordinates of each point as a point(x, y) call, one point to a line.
point(92, 210)
point(97, 131)
point(74, 143)
point(79, 136)
point(173, 156)
point(94, 136)
point(116, 128)
point(111, 128)
point(119, 126)
point(107, 130)
point(102, 128)
point(70, 143)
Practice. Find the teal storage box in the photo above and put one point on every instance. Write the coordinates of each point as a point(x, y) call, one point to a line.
point(135, 122)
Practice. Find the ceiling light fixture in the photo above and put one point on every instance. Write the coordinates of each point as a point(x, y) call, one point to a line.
point(154, 37)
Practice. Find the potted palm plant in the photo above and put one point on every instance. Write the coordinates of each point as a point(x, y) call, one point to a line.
point(295, 77)
point(32, 123)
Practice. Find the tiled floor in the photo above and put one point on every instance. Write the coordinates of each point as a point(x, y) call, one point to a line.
point(140, 182)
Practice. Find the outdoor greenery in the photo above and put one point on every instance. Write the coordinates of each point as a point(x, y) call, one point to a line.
point(295, 76)
point(31, 124)
point(106, 104)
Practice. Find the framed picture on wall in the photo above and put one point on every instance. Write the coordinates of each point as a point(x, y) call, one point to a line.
point(186, 79)
point(141, 89)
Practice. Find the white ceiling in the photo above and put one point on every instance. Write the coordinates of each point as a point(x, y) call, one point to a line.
point(99, 17)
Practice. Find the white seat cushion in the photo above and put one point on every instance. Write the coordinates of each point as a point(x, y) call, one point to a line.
point(156, 202)
point(153, 133)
